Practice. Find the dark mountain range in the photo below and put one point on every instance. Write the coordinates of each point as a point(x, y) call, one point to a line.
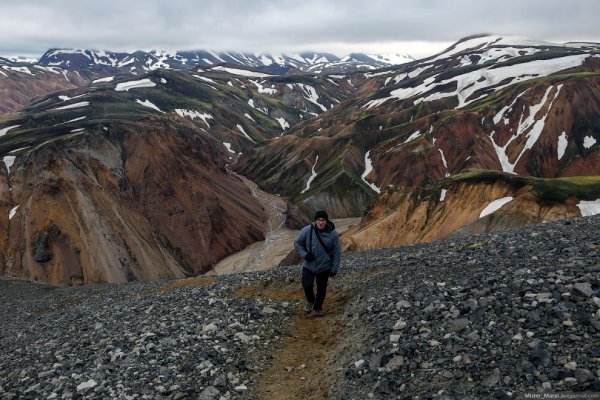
point(140, 61)
point(129, 176)
point(59, 69)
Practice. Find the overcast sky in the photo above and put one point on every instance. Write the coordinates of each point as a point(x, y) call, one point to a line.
point(417, 27)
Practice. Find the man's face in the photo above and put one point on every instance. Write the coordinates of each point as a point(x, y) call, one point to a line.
point(320, 222)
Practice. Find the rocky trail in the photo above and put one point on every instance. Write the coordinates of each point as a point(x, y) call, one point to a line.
point(489, 316)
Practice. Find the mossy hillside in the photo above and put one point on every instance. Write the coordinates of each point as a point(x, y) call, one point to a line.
point(346, 192)
point(339, 181)
point(549, 190)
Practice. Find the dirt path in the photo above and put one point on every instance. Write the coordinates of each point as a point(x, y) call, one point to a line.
point(301, 367)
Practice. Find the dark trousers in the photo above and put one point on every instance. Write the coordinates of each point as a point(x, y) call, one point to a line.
point(308, 281)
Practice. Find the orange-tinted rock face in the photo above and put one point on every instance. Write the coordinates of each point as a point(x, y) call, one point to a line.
point(401, 218)
point(141, 201)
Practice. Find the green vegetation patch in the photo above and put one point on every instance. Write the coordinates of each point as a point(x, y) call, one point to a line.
point(549, 190)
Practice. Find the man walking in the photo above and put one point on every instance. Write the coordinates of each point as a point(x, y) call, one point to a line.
point(319, 246)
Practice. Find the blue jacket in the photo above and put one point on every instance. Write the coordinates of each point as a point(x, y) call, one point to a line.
point(322, 261)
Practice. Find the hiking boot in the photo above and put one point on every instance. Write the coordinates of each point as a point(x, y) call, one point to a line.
point(319, 313)
point(308, 308)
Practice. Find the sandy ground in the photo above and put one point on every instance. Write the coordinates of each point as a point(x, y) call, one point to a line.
point(279, 239)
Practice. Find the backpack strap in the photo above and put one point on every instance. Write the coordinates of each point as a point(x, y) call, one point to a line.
point(327, 250)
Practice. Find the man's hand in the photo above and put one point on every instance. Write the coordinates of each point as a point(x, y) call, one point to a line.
point(309, 257)
point(332, 274)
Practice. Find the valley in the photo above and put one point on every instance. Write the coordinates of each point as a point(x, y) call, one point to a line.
point(124, 174)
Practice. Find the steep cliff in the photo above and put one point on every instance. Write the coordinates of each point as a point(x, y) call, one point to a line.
point(469, 203)
point(124, 201)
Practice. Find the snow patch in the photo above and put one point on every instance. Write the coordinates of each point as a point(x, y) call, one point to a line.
point(443, 194)
point(193, 114)
point(228, 147)
point(241, 72)
point(562, 145)
point(284, 124)
point(4, 131)
point(413, 137)
point(589, 208)
point(9, 161)
point(311, 95)
point(126, 86)
point(204, 78)
point(312, 177)
point(588, 142)
point(368, 169)
point(444, 162)
point(249, 117)
point(149, 104)
point(107, 79)
point(531, 126)
point(241, 128)
point(494, 206)
point(12, 212)
point(67, 98)
point(261, 89)
point(76, 105)
point(24, 70)
point(478, 80)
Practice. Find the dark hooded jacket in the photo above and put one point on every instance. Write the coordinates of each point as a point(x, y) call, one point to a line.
point(323, 261)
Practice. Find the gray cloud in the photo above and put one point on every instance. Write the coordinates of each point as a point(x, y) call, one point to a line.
point(30, 27)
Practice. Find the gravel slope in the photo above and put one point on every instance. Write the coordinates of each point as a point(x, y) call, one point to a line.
point(491, 316)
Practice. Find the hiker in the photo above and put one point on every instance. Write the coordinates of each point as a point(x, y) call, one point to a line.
point(319, 246)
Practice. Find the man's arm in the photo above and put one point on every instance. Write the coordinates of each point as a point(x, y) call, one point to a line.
point(337, 253)
point(300, 244)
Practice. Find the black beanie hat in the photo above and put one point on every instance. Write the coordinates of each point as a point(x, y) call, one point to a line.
point(321, 214)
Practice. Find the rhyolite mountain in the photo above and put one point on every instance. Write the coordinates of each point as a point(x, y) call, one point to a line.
point(488, 102)
point(132, 176)
point(127, 179)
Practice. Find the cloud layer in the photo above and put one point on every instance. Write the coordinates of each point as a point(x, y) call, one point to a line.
point(415, 26)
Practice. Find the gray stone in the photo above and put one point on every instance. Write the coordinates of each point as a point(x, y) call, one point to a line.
point(209, 393)
point(403, 304)
point(220, 381)
point(540, 356)
point(457, 325)
point(584, 375)
point(492, 379)
point(375, 363)
point(582, 289)
point(395, 363)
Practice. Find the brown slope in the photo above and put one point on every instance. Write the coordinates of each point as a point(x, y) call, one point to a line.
point(402, 217)
point(17, 89)
point(140, 201)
